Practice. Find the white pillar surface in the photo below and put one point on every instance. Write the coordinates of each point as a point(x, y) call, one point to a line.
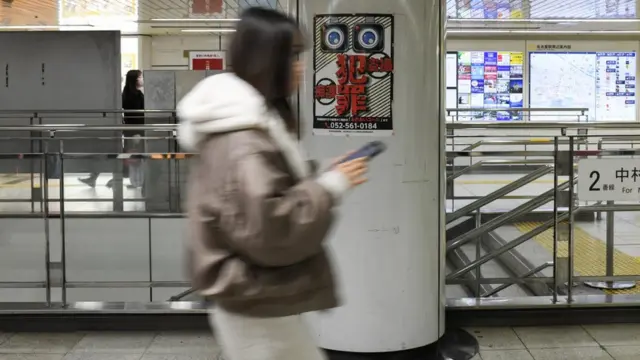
point(388, 244)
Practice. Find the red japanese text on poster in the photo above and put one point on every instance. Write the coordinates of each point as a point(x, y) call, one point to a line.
point(353, 74)
point(207, 60)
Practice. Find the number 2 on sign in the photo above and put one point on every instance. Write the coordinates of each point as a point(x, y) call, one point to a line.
point(594, 174)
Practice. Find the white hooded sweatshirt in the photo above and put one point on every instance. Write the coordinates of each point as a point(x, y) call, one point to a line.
point(224, 103)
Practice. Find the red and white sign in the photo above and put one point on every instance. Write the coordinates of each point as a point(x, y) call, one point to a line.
point(207, 60)
point(206, 7)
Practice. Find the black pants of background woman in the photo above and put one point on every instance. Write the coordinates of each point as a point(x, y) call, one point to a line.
point(129, 145)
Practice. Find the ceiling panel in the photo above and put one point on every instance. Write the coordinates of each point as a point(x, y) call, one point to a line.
point(28, 12)
point(110, 13)
point(140, 16)
point(177, 9)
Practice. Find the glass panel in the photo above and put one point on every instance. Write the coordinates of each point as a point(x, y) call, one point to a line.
point(603, 82)
point(492, 80)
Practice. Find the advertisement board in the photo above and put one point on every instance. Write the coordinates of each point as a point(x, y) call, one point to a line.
point(353, 74)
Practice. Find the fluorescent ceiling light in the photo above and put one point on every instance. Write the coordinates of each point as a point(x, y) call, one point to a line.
point(213, 30)
point(195, 20)
point(577, 32)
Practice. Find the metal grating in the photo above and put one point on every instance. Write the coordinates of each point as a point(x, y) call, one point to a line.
point(48, 12)
point(176, 9)
point(541, 9)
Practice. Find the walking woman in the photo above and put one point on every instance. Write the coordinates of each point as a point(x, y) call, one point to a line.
point(132, 99)
point(258, 217)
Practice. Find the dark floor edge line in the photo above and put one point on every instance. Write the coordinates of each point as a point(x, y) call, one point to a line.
point(198, 321)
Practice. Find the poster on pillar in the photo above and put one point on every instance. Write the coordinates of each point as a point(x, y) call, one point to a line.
point(353, 75)
point(206, 60)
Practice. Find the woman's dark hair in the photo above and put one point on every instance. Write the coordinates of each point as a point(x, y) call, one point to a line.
point(131, 82)
point(262, 53)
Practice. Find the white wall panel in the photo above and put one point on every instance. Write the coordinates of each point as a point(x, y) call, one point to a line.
point(107, 249)
point(167, 256)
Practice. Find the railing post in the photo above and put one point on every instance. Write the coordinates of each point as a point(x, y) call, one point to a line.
point(599, 213)
point(562, 233)
point(478, 253)
point(451, 164)
point(610, 256)
point(556, 194)
point(118, 196)
point(570, 232)
point(63, 237)
point(44, 188)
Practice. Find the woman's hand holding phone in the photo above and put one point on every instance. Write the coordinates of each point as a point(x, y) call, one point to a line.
point(353, 170)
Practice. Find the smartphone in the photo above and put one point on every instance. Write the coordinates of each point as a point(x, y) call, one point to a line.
point(370, 150)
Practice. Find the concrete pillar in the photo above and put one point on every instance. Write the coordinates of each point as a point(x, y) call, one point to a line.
point(389, 241)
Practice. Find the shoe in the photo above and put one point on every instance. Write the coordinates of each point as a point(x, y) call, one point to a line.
point(109, 184)
point(91, 182)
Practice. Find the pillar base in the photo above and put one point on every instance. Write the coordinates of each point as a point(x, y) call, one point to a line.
point(454, 345)
point(611, 285)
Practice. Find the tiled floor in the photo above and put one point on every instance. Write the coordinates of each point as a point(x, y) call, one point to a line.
point(599, 342)
point(109, 346)
point(596, 342)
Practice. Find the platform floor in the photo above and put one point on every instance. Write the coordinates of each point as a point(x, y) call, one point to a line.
point(601, 342)
point(79, 197)
point(597, 342)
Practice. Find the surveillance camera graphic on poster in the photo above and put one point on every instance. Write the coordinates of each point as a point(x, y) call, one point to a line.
point(353, 74)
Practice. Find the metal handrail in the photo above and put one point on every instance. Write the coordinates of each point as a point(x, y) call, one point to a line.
point(529, 273)
point(81, 111)
point(456, 125)
point(550, 153)
point(116, 111)
point(489, 198)
point(609, 138)
point(480, 163)
point(609, 207)
point(523, 109)
point(542, 125)
point(539, 141)
point(505, 218)
point(80, 127)
point(510, 153)
point(508, 246)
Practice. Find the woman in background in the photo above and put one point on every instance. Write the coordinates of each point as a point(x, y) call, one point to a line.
point(258, 217)
point(132, 99)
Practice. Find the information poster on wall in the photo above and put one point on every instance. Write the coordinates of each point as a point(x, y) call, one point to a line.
point(353, 75)
point(207, 60)
point(581, 9)
point(602, 82)
point(491, 80)
point(488, 9)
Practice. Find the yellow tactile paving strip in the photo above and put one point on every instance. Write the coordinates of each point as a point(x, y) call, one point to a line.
point(589, 255)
